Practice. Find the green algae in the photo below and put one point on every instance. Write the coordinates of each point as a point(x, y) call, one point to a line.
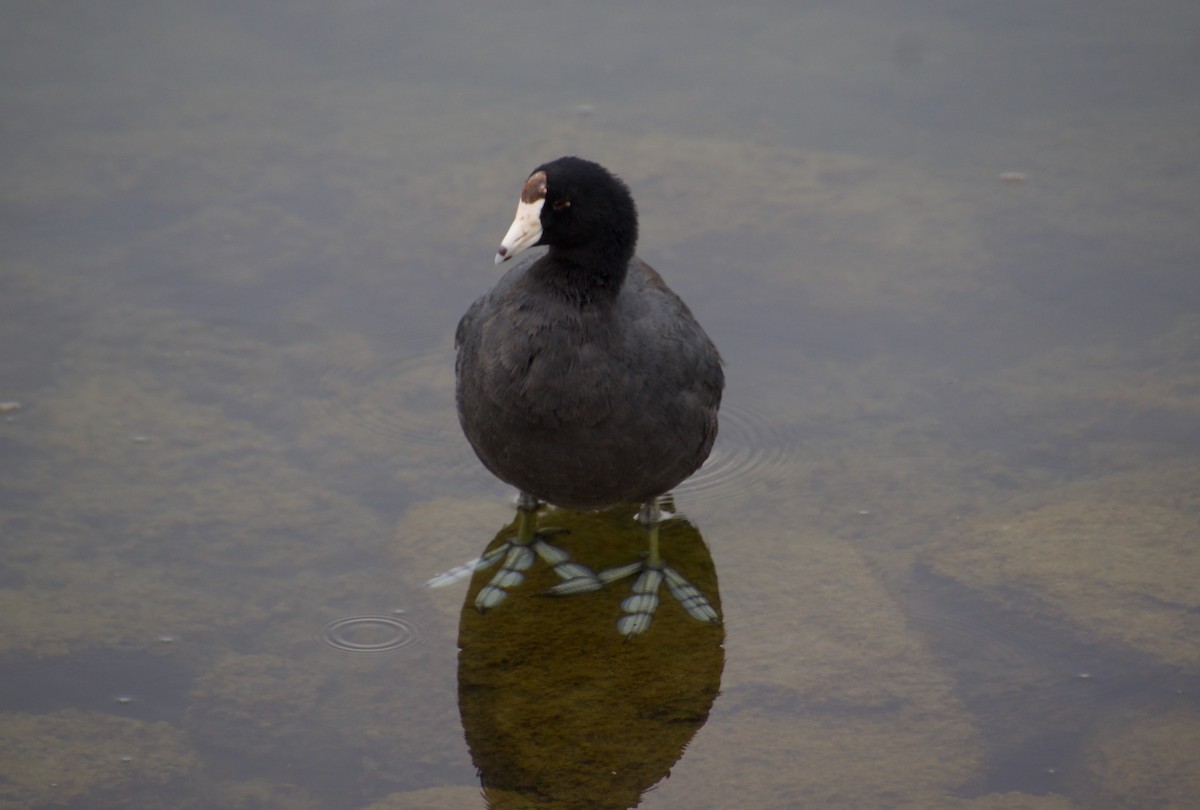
point(67, 756)
point(439, 798)
point(253, 706)
point(1141, 758)
point(857, 714)
point(167, 447)
point(1119, 567)
point(205, 446)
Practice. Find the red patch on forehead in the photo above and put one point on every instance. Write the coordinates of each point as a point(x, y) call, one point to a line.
point(535, 188)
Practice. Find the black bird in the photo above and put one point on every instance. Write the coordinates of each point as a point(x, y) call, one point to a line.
point(582, 379)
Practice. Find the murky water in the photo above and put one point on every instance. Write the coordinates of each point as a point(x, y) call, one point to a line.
point(948, 252)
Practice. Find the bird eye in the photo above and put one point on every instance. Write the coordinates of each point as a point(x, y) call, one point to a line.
point(561, 204)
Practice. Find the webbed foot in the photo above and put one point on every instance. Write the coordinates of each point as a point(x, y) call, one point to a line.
point(518, 554)
point(639, 607)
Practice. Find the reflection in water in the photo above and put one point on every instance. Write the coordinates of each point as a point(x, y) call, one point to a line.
point(237, 237)
point(529, 543)
point(559, 709)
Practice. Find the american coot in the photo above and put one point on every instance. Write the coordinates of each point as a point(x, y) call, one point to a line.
point(582, 379)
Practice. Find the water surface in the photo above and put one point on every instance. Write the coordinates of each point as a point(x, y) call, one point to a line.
point(947, 250)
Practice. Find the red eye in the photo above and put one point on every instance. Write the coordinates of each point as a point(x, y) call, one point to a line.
point(561, 204)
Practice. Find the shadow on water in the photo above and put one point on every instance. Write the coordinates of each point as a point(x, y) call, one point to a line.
point(132, 683)
point(560, 709)
point(1037, 687)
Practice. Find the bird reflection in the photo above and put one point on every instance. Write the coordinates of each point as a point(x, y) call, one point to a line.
point(562, 705)
point(528, 543)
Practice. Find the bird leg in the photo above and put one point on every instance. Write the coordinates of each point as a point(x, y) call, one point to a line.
point(639, 607)
point(518, 554)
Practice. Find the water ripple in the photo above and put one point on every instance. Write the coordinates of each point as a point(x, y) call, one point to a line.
point(373, 634)
point(753, 449)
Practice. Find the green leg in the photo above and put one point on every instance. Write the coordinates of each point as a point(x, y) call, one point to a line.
point(650, 516)
point(527, 507)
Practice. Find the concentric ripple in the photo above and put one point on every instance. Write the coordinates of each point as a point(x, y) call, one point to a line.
point(373, 634)
point(752, 450)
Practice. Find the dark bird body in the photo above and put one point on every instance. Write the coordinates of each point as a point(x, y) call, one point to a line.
point(583, 380)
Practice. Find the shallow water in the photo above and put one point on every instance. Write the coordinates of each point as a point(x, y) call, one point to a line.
point(948, 252)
